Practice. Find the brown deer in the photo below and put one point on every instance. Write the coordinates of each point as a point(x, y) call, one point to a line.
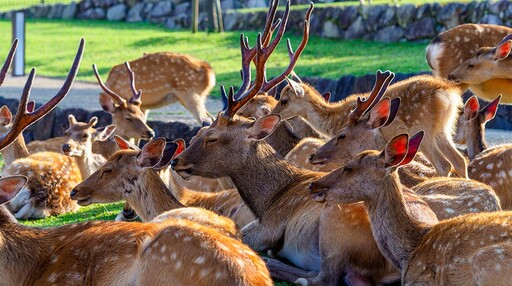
point(166, 78)
point(465, 54)
point(428, 104)
point(128, 175)
point(80, 137)
point(468, 250)
point(143, 254)
point(322, 242)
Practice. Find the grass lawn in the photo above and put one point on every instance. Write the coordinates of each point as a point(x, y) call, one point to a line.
point(51, 46)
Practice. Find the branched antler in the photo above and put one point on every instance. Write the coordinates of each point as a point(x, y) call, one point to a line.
point(135, 94)
point(363, 105)
point(8, 61)
point(26, 115)
point(120, 100)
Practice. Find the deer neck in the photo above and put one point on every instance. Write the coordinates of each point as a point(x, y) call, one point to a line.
point(21, 249)
point(149, 196)
point(476, 144)
point(262, 178)
point(88, 163)
point(15, 151)
point(396, 232)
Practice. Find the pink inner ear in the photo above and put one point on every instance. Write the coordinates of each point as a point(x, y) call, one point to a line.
point(471, 108)
point(155, 146)
point(380, 113)
point(5, 113)
point(414, 146)
point(181, 147)
point(326, 96)
point(504, 50)
point(396, 150)
point(491, 109)
point(121, 143)
point(268, 122)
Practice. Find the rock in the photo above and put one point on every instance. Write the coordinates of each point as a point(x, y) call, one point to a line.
point(347, 17)
point(450, 15)
point(389, 34)
point(173, 130)
point(491, 19)
point(116, 12)
point(69, 11)
point(389, 17)
point(104, 3)
point(39, 11)
point(135, 13)
point(424, 28)
point(228, 5)
point(182, 8)
point(170, 23)
point(93, 14)
point(161, 9)
point(56, 11)
point(374, 16)
point(232, 21)
point(356, 30)
point(330, 30)
point(131, 3)
point(405, 15)
point(499, 7)
point(423, 11)
point(255, 4)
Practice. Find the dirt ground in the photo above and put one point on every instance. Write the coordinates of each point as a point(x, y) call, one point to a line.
point(85, 95)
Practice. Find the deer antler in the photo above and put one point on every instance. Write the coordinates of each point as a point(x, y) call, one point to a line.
point(364, 105)
point(25, 117)
point(8, 61)
point(107, 90)
point(135, 94)
point(260, 53)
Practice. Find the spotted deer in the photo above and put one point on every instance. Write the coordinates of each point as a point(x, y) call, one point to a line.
point(167, 78)
point(468, 250)
point(128, 176)
point(321, 242)
point(427, 103)
point(169, 249)
point(465, 54)
point(80, 137)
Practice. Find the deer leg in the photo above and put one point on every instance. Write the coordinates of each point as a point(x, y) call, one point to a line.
point(450, 152)
point(434, 155)
point(261, 237)
point(196, 105)
point(284, 272)
point(493, 265)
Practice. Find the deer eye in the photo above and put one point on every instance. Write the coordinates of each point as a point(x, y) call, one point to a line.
point(470, 66)
point(85, 136)
point(347, 170)
point(342, 136)
point(66, 133)
point(211, 140)
point(284, 101)
point(106, 172)
point(128, 118)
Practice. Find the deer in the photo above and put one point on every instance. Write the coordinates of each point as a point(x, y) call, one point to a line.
point(167, 78)
point(458, 251)
point(190, 253)
point(129, 175)
point(322, 243)
point(428, 104)
point(465, 54)
point(80, 137)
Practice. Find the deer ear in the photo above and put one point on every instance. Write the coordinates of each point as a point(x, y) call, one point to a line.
point(502, 51)
point(295, 87)
point(167, 155)
point(379, 114)
point(124, 144)
point(181, 146)
point(396, 150)
point(71, 119)
point(471, 108)
point(106, 103)
point(93, 121)
point(5, 116)
point(395, 104)
point(10, 186)
point(326, 96)
point(414, 146)
point(295, 77)
point(489, 111)
point(151, 153)
point(264, 126)
point(106, 132)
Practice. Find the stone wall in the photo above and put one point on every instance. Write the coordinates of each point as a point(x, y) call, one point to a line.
point(386, 23)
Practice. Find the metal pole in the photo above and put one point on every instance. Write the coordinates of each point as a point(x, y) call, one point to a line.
point(18, 31)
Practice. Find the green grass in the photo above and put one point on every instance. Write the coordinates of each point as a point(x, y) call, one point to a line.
point(51, 46)
point(9, 5)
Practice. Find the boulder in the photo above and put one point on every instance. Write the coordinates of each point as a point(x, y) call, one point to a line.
point(56, 11)
point(161, 9)
point(93, 14)
point(135, 13)
point(116, 12)
point(389, 34)
point(69, 11)
point(421, 29)
point(356, 30)
point(450, 15)
point(347, 17)
point(405, 15)
point(491, 19)
point(330, 30)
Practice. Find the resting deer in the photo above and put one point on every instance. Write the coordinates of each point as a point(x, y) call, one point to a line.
point(181, 251)
point(166, 78)
point(468, 250)
point(323, 242)
point(131, 175)
point(465, 54)
point(428, 104)
point(80, 137)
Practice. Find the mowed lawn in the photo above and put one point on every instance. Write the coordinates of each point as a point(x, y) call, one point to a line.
point(51, 46)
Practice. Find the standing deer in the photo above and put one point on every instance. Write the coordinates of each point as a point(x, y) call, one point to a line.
point(80, 137)
point(468, 250)
point(167, 78)
point(465, 54)
point(322, 242)
point(428, 104)
point(182, 251)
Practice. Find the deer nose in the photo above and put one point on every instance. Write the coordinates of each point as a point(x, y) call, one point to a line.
point(73, 193)
point(174, 162)
point(151, 134)
point(311, 157)
point(66, 148)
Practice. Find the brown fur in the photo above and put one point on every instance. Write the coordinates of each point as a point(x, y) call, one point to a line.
point(427, 104)
point(165, 78)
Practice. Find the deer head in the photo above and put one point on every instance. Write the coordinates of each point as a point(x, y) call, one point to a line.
point(486, 64)
point(209, 154)
point(126, 115)
point(362, 130)
point(363, 177)
point(80, 136)
point(259, 106)
point(298, 98)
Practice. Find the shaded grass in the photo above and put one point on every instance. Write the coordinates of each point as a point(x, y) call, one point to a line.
point(51, 46)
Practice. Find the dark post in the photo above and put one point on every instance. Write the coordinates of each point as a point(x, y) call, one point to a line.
point(195, 15)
